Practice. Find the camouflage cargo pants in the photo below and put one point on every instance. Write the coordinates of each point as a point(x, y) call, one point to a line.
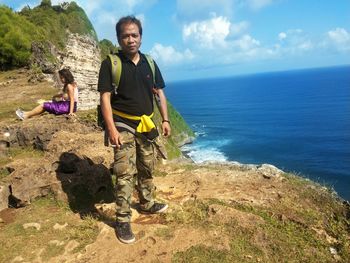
point(134, 161)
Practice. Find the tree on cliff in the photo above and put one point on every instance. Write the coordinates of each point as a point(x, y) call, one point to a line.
point(45, 3)
point(16, 36)
point(44, 23)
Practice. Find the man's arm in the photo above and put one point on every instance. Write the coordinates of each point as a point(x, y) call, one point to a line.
point(106, 108)
point(163, 108)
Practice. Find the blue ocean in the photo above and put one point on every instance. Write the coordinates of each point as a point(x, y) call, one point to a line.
point(298, 121)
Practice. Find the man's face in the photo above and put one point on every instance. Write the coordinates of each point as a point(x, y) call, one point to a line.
point(130, 39)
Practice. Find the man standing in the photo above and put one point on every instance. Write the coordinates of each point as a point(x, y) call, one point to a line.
point(125, 112)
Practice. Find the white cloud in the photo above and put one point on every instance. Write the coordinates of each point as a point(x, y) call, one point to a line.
point(246, 43)
point(106, 18)
point(238, 28)
point(340, 38)
point(306, 45)
point(282, 36)
point(167, 55)
point(208, 33)
point(226, 42)
point(294, 41)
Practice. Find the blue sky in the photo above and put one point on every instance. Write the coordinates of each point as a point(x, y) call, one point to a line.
point(210, 38)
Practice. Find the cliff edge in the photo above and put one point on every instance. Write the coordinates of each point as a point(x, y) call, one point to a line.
point(57, 202)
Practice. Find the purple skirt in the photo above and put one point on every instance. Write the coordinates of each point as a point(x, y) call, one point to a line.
point(58, 107)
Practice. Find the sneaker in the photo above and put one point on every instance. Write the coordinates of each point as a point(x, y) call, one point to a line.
point(124, 232)
point(157, 208)
point(20, 114)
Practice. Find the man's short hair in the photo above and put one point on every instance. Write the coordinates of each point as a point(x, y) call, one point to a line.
point(127, 20)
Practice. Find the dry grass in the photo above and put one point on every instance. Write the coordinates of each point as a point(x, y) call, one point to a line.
point(46, 242)
point(19, 93)
point(296, 229)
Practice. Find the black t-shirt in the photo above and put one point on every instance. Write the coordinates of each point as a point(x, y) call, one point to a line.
point(134, 95)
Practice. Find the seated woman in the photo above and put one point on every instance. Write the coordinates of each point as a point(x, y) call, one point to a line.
point(62, 103)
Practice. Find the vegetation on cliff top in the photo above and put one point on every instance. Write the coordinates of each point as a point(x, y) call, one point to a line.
point(106, 47)
point(40, 24)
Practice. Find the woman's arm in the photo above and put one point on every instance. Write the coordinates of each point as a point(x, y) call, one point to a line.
point(70, 91)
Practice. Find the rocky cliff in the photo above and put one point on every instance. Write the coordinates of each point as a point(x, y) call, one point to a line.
point(218, 212)
point(82, 57)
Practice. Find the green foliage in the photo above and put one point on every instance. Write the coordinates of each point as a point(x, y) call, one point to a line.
point(106, 47)
point(42, 23)
point(56, 20)
point(45, 3)
point(16, 35)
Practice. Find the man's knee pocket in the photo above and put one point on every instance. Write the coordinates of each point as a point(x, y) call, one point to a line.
point(125, 156)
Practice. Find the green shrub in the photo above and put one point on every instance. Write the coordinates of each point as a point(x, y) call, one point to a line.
point(16, 35)
point(42, 23)
point(106, 48)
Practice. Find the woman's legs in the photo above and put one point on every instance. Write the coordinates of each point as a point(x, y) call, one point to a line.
point(36, 111)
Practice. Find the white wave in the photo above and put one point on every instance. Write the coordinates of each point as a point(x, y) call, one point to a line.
point(206, 151)
point(200, 133)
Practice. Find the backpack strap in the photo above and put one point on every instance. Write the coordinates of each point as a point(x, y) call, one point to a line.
point(116, 70)
point(153, 68)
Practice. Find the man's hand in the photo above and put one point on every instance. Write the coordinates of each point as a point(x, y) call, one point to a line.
point(115, 138)
point(166, 129)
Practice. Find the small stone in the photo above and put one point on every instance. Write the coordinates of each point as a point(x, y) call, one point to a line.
point(1, 221)
point(333, 251)
point(268, 171)
point(60, 227)
point(37, 226)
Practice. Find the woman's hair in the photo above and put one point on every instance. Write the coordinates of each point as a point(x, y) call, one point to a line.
point(127, 20)
point(67, 75)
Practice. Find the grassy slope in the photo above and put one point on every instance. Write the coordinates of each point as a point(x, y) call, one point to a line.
point(46, 25)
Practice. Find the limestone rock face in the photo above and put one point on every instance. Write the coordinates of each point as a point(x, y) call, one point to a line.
point(82, 57)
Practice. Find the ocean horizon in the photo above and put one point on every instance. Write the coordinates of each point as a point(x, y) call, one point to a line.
point(297, 120)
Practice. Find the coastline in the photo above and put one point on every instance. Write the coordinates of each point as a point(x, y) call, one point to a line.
point(266, 169)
